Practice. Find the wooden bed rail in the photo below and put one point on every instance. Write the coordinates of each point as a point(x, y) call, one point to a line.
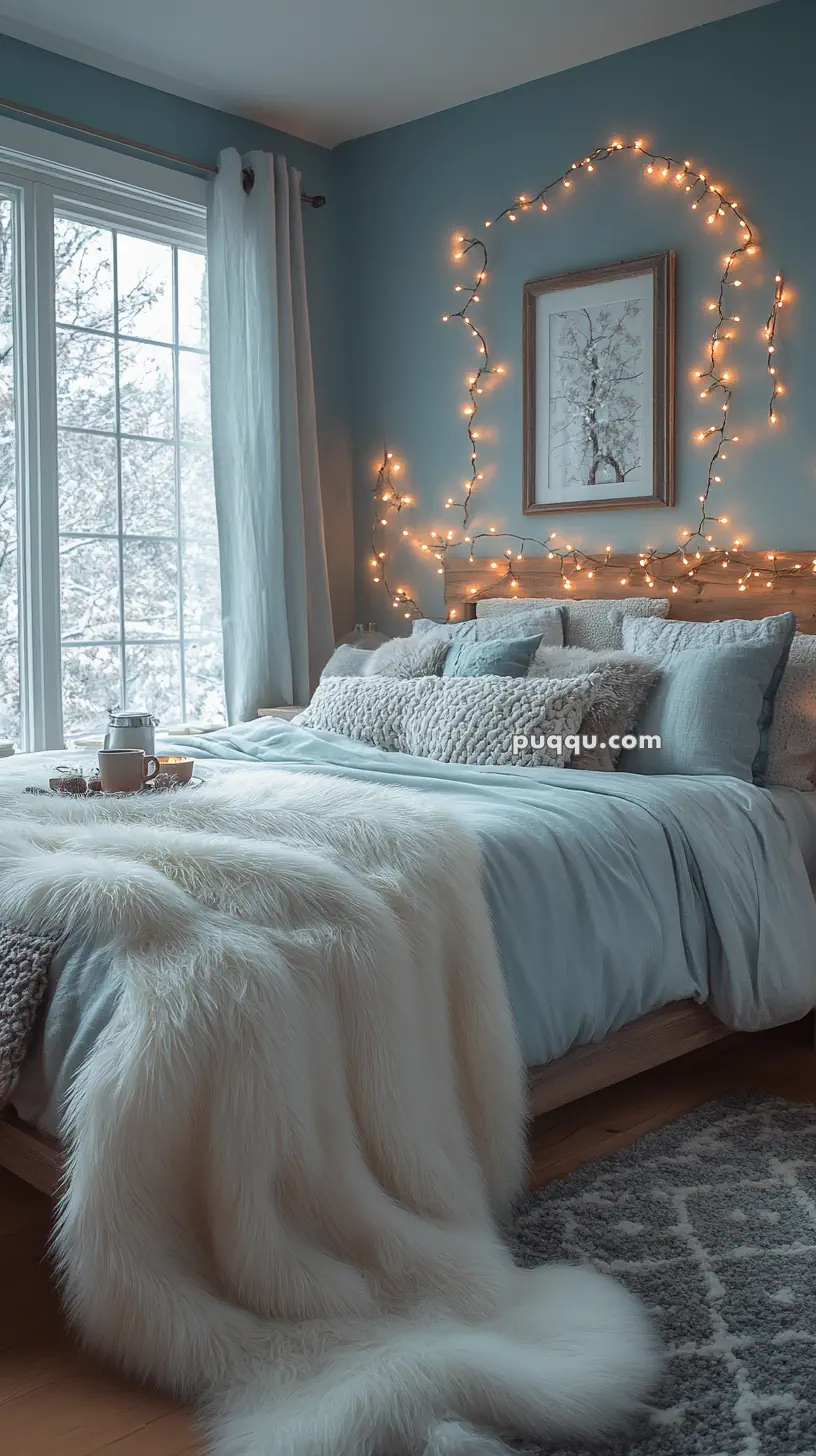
point(680, 1027)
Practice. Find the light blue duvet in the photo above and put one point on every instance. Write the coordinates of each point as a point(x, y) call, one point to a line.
point(611, 895)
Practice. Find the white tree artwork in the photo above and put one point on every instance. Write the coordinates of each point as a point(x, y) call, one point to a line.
point(596, 396)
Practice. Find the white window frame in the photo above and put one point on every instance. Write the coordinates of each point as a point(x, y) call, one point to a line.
point(49, 173)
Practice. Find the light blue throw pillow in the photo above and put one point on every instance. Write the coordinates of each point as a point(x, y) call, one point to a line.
point(504, 657)
point(661, 641)
point(708, 709)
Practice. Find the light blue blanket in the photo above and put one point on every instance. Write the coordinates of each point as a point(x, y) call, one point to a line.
point(611, 895)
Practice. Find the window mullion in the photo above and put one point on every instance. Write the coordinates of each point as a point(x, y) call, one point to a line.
point(41, 668)
point(120, 515)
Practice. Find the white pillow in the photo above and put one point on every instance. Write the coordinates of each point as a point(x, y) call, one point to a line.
point(593, 624)
point(792, 744)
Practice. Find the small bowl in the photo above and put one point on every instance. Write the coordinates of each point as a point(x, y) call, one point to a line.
point(176, 767)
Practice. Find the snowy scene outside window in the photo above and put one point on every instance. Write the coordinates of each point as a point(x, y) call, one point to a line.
point(139, 587)
point(105, 466)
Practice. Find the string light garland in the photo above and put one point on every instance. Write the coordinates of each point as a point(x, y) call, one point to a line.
point(388, 499)
point(713, 382)
point(770, 334)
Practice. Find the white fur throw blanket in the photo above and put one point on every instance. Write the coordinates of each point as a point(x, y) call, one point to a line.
point(289, 1147)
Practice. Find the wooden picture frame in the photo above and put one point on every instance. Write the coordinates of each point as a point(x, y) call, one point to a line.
point(562, 459)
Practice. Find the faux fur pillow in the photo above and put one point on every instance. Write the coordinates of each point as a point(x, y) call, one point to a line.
point(623, 683)
point(457, 719)
point(406, 657)
point(589, 623)
point(792, 744)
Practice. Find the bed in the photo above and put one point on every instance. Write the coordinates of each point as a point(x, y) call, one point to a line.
point(673, 858)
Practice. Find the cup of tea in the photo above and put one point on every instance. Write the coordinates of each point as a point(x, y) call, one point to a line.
point(125, 770)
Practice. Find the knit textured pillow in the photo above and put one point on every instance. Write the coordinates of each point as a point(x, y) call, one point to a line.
point(476, 720)
point(792, 742)
point(589, 623)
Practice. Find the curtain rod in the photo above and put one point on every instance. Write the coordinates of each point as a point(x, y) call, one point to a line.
point(109, 136)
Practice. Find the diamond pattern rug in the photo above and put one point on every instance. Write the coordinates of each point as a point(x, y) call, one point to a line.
point(712, 1222)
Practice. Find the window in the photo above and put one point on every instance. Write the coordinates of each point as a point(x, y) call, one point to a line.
point(109, 583)
point(9, 625)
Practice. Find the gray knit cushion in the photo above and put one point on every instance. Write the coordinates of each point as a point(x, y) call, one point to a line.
point(792, 744)
point(24, 963)
point(587, 623)
point(456, 719)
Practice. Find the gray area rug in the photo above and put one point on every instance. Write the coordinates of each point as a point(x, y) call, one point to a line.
point(712, 1222)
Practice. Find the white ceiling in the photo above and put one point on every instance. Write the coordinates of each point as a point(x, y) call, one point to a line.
point(329, 70)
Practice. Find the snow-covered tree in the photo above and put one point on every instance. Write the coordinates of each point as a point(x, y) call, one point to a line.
point(596, 407)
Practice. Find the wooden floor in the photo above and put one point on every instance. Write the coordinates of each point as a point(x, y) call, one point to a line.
point(56, 1402)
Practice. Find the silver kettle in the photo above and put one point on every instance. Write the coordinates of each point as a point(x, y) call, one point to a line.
point(131, 730)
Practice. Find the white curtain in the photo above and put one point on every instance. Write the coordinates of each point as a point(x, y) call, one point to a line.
point(274, 581)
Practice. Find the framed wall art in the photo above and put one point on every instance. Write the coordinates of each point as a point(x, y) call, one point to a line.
point(598, 353)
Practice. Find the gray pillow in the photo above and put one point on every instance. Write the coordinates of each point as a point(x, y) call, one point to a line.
point(623, 685)
point(456, 719)
point(546, 622)
point(407, 657)
point(587, 623)
point(792, 742)
point(707, 709)
point(661, 641)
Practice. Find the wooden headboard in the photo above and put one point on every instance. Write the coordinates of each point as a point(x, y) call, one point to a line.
point(712, 592)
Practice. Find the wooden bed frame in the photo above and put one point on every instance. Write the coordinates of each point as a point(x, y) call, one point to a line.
point(680, 1027)
point(662, 1035)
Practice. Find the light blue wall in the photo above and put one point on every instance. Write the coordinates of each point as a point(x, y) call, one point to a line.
point(82, 93)
point(737, 96)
